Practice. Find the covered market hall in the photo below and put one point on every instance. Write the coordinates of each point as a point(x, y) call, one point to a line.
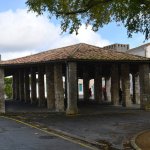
point(71, 63)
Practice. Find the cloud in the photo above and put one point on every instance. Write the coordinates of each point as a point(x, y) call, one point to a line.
point(23, 33)
point(84, 36)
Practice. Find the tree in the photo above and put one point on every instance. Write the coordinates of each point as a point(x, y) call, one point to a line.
point(8, 87)
point(133, 14)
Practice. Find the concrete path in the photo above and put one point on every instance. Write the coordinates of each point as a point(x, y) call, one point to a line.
point(15, 136)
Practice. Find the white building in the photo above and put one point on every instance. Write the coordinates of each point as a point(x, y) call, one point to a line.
point(118, 47)
point(143, 50)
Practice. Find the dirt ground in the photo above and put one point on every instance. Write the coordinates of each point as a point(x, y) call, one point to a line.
point(143, 141)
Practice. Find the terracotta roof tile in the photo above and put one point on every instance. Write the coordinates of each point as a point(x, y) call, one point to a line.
point(78, 52)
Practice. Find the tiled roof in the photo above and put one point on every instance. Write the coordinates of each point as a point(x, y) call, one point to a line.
point(76, 52)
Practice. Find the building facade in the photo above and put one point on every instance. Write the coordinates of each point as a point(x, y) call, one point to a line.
point(143, 50)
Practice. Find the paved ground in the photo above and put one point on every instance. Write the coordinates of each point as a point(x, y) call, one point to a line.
point(14, 136)
point(115, 125)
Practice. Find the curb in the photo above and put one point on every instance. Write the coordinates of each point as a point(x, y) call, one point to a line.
point(133, 143)
point(92, 145)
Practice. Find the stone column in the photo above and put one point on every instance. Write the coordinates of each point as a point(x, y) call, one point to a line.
point(50, 86)
point(77, 89)
point(2, 101)
point(85, 84)
point(26, 86)
point(108, 88)
point(125, 85)
point(137, 89)
point(144, 85)
point(114, 84)
point(59, 91)
point(65, 99)
point(41, 100)
point(72, 89)
point(16, 86)
point(33, 86)
point(133, 90)
point(98, 83)
point(21, 85)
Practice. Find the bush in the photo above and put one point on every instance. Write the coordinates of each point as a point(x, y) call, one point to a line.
point(8, 87)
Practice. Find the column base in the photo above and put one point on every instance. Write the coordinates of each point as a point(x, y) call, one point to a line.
point(2, 107)
point(71, 111)
point(117, 105)
point(51, 107)
point(126, 105)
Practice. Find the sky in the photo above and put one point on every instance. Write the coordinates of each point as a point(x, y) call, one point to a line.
point(23, 33)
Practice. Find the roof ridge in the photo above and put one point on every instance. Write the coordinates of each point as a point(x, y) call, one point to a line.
point(80, 51)
point(75, 50)
point(42, 52)
point(78, 48)
point(53, 49)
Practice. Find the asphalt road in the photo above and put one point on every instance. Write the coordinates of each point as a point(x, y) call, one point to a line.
point(114, 125)
point(16, 136)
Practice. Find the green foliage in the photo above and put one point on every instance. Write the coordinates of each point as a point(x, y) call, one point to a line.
point(8, 87)
point(133, 14)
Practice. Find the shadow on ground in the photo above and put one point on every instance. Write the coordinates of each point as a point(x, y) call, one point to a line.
point(115, 125)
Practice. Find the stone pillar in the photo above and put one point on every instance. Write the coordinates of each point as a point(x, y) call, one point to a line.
point(26, 86)
point(2, 101)
point(98, 83)
point(133, 88)
point(33, 86)
point(144, 85)
point(77, 89)
point(72, 88)
point(137, 89)
point(21, 85)
point(59, 91)
point(125, 85)
point(50, 86)
point(41, 100)
point(85, 84)
point(114, 84)
point(65, 99)
point(16, 86)
point(108, 88)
